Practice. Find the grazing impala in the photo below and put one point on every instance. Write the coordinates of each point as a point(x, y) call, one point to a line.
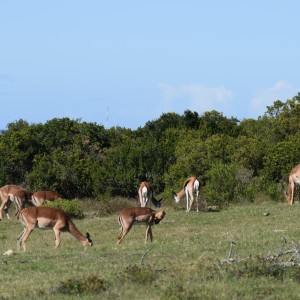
point(146, 196)
point(190, 187)
point(40, 197)
point(138, 216)
point(6, 193)
point(49, 218)
point(294, 179)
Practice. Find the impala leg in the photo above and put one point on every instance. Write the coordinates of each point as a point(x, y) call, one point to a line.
point(25, 237)
point(187, 199)
point(6, 211)
point(4, 207)
point(18, 204)
point(191, 202)
point(149, 233)
point(197, 200)
point(191, 199)
point(291, 192)
point(57, 237)
point(20, 238)
point(7, 206)
point(122, 235)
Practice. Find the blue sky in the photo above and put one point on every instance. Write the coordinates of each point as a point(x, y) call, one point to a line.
point(123, 63)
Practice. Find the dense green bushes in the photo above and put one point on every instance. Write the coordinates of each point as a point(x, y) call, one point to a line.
point(71, 207)
point(234, 160)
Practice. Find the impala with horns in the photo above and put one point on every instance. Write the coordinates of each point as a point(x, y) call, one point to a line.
point(7, 193)
point(294, 179)
point(44, 217)
point(190, 187)
point(138, 216)
point(40, 197)
point(146, 196)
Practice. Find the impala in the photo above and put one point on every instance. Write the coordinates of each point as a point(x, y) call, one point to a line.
point(146, 196)
point(6, 193)
point(40, 197)
point(294, 179)
point(49, 218)
point(190, 187)
point(138, 216)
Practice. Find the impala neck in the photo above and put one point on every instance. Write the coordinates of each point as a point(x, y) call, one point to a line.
point(76, 233)
point(181, 193)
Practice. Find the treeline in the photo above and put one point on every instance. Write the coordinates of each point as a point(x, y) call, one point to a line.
point(235, 160)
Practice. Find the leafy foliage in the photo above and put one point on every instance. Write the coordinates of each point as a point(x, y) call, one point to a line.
point(257, 267)
point(229, 183)
point(142, 275)
point(76, 286)
point(71, 207)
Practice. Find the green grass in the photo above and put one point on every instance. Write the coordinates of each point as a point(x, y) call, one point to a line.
point(182, 262)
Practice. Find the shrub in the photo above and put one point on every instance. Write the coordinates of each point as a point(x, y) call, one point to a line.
point(71, 207)
point(274, 191)
point(86, 285)
point(143, 275)
point(260, 268)
point(101, 208)
point(229, 183)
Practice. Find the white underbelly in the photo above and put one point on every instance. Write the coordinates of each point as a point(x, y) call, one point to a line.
point(43, 227)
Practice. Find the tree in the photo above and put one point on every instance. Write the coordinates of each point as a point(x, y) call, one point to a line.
point(228, 183)
point(213, 122)
point(191, 120)
point(157, 127)
point(281, 158)
point(18, 146)
point(249, 153)
point(285, 118)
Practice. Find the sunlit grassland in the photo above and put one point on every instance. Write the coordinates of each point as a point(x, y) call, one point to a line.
point(181, 263)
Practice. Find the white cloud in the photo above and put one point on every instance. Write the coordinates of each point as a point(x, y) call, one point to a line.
point(264, 97)
point(196, 97)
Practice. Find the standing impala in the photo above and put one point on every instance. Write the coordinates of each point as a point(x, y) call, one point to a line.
point(190, 187)
point(49, 218)
point(40, 197)
point(146, 196)
point(294, 179)
point(138, 216)
point(7, 193)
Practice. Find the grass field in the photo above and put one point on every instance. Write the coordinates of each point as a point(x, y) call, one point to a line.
point(181, 263)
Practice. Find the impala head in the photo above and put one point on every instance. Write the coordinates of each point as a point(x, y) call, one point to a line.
point(176, 198)
point(88, 242)
point(159, 216)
